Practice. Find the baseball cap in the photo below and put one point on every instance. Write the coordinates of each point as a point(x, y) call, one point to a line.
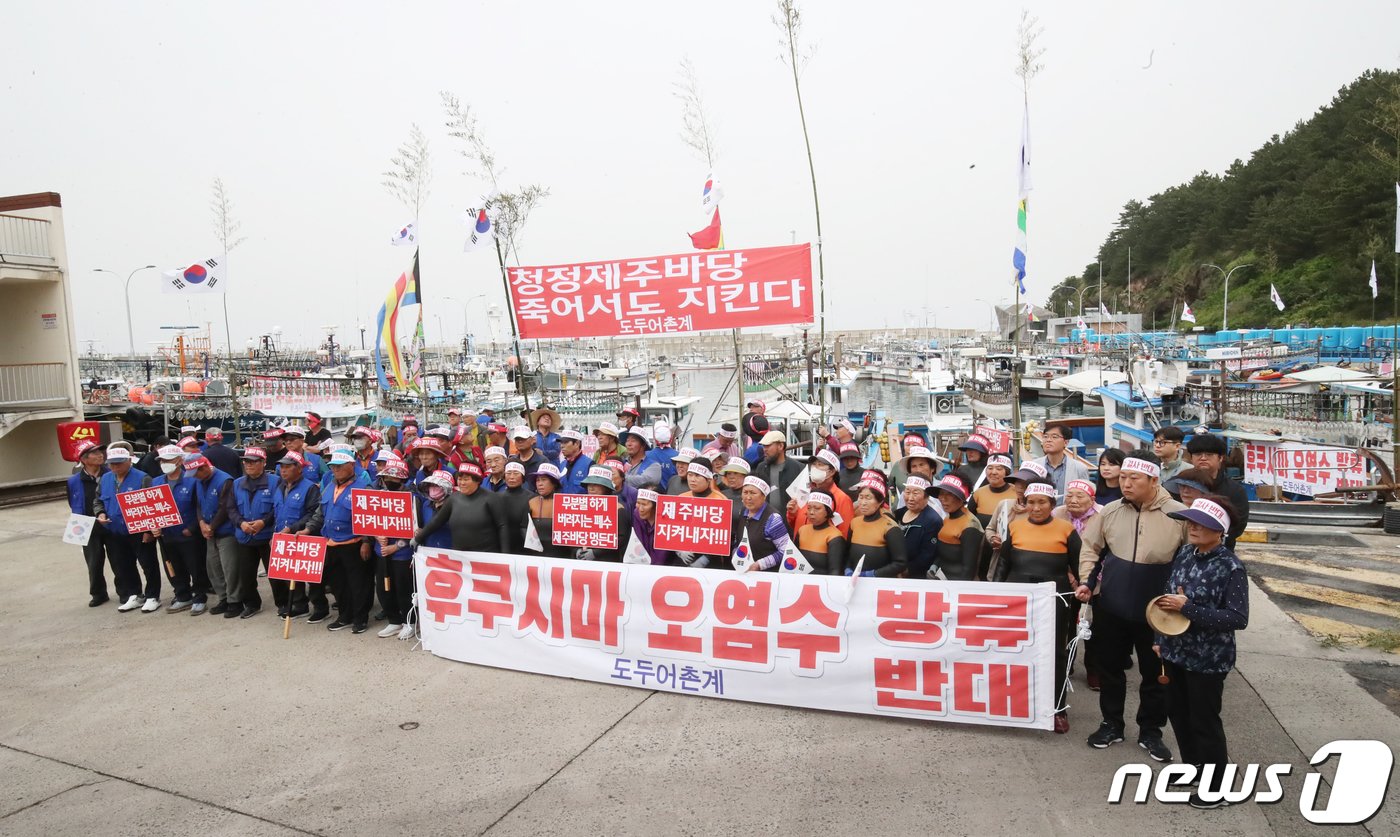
point(295, 430)
point(570, 435)
point(170, 452)
point(118, 455)
point(1208, 513)
point(756, 402)
point(250, 454)
point(195, 461)
point(291, 457)
point(685, 455)
point(737, 465)
point(773, 436)
point(551, 471)
point(273, 433)
point(953, 485)
point(521, 432)
point(850, 449)
point(341, 457)
point(187, 441)
point(496, 427)
point(83, 447)
point(629, 411)
point(214, 433)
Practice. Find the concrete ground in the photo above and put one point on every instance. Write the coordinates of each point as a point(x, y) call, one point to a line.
point(131, 723)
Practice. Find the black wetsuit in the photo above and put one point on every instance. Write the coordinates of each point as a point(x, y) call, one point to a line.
point(514, 507)
point(475, 521)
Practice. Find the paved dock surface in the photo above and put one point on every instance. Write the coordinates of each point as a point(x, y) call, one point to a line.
point(165, 723)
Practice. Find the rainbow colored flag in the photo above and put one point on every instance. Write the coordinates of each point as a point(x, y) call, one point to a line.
point(1023, 194)
point(386, 340)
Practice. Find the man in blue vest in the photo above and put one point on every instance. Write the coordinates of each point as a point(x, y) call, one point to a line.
point(182, 545)
point(349, 570)
point(253, 514)
point(126, 550)
point(82, 493)
point(221, 547)
point(294, 437)
point(574, 464)
point(296, 510)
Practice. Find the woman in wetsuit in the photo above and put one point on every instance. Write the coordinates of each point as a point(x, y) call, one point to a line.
point(470, 515)
point(819, 541)
point(877, 543)
point(960, 536)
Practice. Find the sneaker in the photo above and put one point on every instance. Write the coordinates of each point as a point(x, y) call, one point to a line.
point(177, 605)
point(250, 611)
point(1107, 735)
point(407, 632)
point(300, 610)
point(131, 603)
point(337, 625)
point(98, 601)
point(221, 607)
point(282, 612)
point(380, 616)
point(1197, 802)
point(1155, 748)
point(390, 630)
point(262, 573)
point(198, 608)
point(1061, 723)
point(232, 610)
point(151, 605)
point(359, 629)
point(1092, 678)
point(318, 616)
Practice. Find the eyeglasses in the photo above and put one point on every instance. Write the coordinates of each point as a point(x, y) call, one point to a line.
point(1160, 442)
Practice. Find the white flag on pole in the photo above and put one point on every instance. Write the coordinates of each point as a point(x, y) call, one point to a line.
point(794, 561)
point(635, 553)
point(1186, 313)
point(1273, 295)
point(1375, 287)
point(206, 277)
point(743, 554)
point(1081, 325)
point(711, 195)
point(532, 536)
point(1103, 309)
point(407, 236)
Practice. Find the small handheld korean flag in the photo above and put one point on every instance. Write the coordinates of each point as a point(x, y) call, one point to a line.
point(794, 561)
point(206, 277)
point(1273, 295)
point(1187, 315)
point(407, 236)
point(79, 529)
point(635, 553)
point(847, 592)
point(532, 536)
point(743, 554)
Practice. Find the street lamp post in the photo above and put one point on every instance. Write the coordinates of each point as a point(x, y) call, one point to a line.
point(130, 335)
point(1225, 316)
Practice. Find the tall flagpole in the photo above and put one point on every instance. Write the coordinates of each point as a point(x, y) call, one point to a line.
point(514, 332)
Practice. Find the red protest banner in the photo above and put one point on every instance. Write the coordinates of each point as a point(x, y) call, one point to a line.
point(693, 524)
point(998, 440)
point(386, 514)
point(585, 520)
point(148, 509)
point(721, 289)
point(297, 558)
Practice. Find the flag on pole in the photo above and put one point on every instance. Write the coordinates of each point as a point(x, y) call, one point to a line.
point(1273, 295)
point(1186, 313)
point(386, 340)
point(1023, 193)
point(483, 227)
point(1103, 310)
point(743, 554)
point(1080, 324)
point(712, 194)
point(710, 238)
point(1030, 314)
point(406, 236)
point(206, 277)
point(1375, 288)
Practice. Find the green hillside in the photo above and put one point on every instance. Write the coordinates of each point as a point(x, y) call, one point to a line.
point(1308, 212)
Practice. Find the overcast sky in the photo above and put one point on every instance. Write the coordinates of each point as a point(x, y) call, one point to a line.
point(131, 110)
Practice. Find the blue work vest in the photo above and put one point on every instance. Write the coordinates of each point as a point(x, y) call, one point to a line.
point(254, 505)
point(336, 512)
point(289, 503)
point(208, 494)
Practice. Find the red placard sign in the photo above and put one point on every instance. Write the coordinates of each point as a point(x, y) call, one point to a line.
point(694, 524)
point(585, 520)
point(297, 558)
point(719, 289)
point(998, 440)
point(149, 509)
point(386, 514)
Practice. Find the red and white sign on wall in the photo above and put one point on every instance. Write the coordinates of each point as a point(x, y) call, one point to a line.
point(1000, 440)
point(694, 524)
point(148, 509)
point(719, 289)
point(297, 558)
point(1303, 469)
point(585, 520)
point(968, 652)
point(386, 514)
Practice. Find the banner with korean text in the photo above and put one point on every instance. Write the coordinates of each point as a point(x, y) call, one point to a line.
point(1303, 469)
point(148, 509)
point(386, 514)
point(297, 558)
point(966, 652)
point(721, 289)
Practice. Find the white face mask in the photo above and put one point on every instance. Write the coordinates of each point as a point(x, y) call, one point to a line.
point(361, 443)
point(170, 467)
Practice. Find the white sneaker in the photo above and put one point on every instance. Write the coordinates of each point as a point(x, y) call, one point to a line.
point(390, 630)
point(151, 605)
point(131, 603)
point(197, 608)
point(407, 632)
point(177, 605)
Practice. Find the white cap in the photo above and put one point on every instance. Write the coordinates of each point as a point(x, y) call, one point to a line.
point(170, 452)
point(520, 431)
point(662, 433)
point(686, 455)
point(571, 435)
point(773, 436)
point(118, 455)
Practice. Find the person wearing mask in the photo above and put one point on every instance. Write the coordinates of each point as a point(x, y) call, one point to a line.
point(547, 482)
point(1166, 443)
point(408, 434)
point(514, 505)
point(214, 498)
point(679, 483)
point(495, 470)
point(394, 577)
point(876, 542)
point(182, 546)
point(546, 421)
point(223, 456)
point(149, 463)
point(818, 539)
point(574, 465)
point(959, 539)
point(296, 510)
point(777, 468)
point(1125, 561)
point(1207, 452)
point(628, 417)
point(252, 512)
point(348, 566)
point(644, 527)
point(471, 515)
point(82, 496)
point(272, 445)
point(607, 435)
point(920, 525)
point(525, 452)
point(362, 440)
point(294, 437)
point(126, 550)
point(822, 469)
point(1060, 465)
point(1041, 547)
point(435, 491)
point(764, 527)
point(1208, 586)
point(732, 479)
point(318, 434)
point(1106, 488)
point(851, 470)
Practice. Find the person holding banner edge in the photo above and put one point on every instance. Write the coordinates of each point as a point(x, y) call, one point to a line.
point(181, 545)
point(394, 575)
point(766, 531)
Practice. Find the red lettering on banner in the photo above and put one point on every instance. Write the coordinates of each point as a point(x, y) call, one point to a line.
point(387, 514)
point(296, 558)
point(737, 603)
point(694, 524)
point(585, 520)
point(904, 624)
point(595, 606)
point(676, 615)
point(809, 607)
point(912, 677)
point(491, 593)
point(149, 509)
point(532, 614)
point(1007, 689)
point(443, 586)
point(986, 619)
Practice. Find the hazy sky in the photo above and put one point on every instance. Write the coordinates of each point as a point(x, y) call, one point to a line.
point(131, 110)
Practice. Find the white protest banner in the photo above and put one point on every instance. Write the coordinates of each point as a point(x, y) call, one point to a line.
point(965, 652)
point(78, 529)
point(1303, 468)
